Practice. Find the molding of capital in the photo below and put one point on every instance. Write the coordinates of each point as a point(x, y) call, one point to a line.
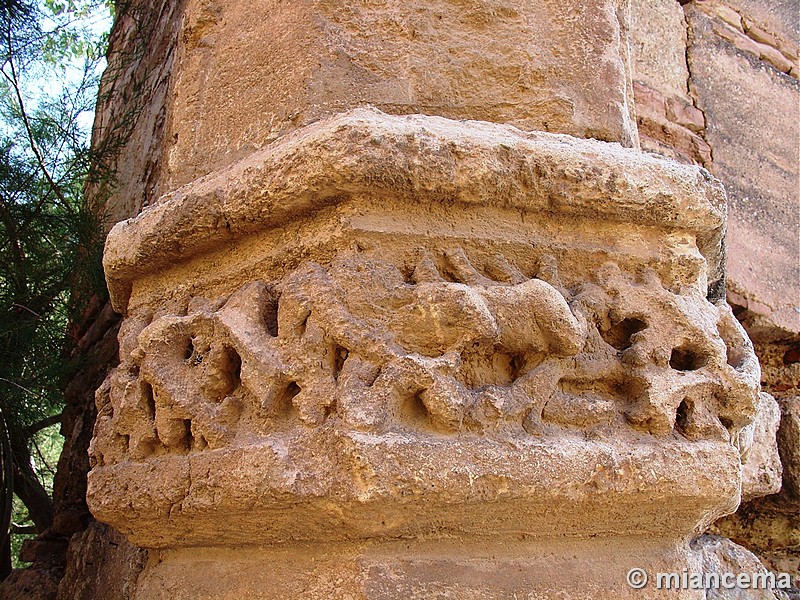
point(421, 159)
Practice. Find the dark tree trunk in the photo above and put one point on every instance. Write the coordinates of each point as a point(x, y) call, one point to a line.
point(5, 558)
point(30, 490)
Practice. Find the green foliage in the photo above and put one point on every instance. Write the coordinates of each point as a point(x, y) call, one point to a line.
point(75, 35)
point(50, 235)
point(19, 516)
point(47, 444)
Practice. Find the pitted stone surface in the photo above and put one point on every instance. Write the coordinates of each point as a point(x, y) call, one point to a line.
point(446, 349)
point(387, 327)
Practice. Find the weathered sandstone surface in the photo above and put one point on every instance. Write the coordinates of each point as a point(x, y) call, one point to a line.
point(392, 329)
point(388, 328)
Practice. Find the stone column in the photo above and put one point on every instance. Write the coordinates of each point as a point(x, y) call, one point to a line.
point(375, 355)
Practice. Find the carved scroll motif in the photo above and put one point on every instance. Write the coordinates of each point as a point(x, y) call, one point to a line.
point(442, 348)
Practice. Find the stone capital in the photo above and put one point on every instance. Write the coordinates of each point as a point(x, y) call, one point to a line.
point(382, 328)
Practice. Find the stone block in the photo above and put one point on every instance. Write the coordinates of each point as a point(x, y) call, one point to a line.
point(779, 17)
point(745, 101)
point(774, 57)
point(250, 72)
point(789, 444)
point(30, 584)
point(761, 466)
point(686, 115)
point(721, 556)
point(50, 551)
point(770, 524)
point(413, 570)
point(101, 563)
point(692, 147)
point(658, 47)
point(725, 13)
point(759, 34)
point(650, 103)
point(737, 38)
point(385, 328)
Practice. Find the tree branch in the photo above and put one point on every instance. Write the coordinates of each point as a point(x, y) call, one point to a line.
point(30, 490)
point(23, 388)
point(14, 81)
point(43, 424)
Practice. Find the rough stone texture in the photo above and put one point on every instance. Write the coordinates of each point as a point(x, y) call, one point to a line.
point(766, 30)
point(421, 570)
point(132, 108)
point(437, 161)
point(101, 563)
point(436, 451)
point(780, 376)
point(741, 57)
point(761, 466)
point(789, 440)
point(669, 123)
point(745, 102)
point(658, 48)
point(780, 359)
point(738, 56)
point(99, 343)
point(247, 73)
point(721, 556)
point(768, 526)
point(313, 332)
point(36, 583)
point(776, 22)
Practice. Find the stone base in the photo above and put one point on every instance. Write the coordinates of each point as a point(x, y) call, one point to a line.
point(359, 487)
point(543, 569)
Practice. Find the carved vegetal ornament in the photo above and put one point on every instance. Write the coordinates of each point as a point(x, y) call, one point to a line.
point(383, 329)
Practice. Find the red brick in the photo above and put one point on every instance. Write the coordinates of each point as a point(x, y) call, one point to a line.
point(685, 114)
point(758, 34)
point(679, 138)
point(774, 57)
point(649, 102)
point(737, 38)
point(730, 16)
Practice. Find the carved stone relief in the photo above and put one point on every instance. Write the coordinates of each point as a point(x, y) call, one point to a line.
point(438, 346)
point(409, 330)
